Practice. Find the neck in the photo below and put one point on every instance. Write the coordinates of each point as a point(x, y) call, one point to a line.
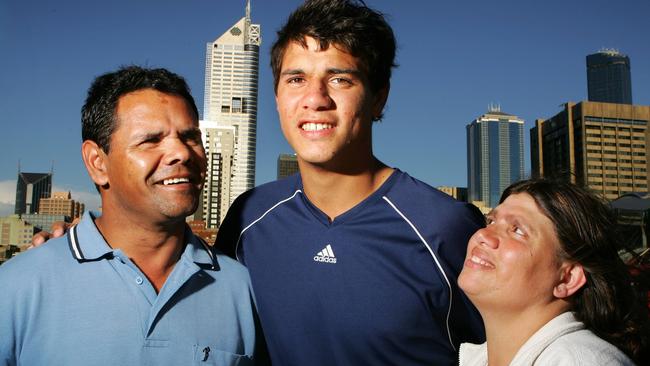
point(507, 331)
point(155, 249)
point(336, 191)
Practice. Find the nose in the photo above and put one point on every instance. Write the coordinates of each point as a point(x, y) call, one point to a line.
point(487, 236)
point(177, 151)
point(317, 97)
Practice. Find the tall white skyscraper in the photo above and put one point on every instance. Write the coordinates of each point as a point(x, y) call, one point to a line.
point(231, 79)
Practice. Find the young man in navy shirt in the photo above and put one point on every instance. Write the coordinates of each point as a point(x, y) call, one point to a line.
point(352, 262)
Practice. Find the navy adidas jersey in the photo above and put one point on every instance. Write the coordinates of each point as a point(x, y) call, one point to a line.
point(377, 286)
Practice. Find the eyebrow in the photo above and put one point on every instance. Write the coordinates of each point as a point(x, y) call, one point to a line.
point(148, 135)
point(330, 71)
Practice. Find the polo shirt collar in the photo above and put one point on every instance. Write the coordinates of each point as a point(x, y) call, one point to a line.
point(87, 244)
point(199, 252)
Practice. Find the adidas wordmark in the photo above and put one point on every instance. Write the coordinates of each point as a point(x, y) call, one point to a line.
point(326, 255)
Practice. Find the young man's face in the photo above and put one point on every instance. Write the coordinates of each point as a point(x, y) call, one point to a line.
point(325, 105)
point(156, 164)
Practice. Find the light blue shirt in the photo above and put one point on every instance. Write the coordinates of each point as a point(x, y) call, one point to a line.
point(76, 301)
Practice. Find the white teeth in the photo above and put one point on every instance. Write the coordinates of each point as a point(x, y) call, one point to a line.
point(480, 261)
point(175, 181)
point(311, 126)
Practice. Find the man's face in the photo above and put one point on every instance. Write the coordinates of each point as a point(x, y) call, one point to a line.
point(325, 105)
point(156, 164)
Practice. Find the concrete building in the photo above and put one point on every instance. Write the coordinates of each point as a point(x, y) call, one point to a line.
point(495, 155)
point(43, 221)
point(219, 144)
point(30, 188)
point(599, 145)
point(61, 203)
point(8, 251)
point(287, 165)
point(608, 77)
point(15, 231)
point(231, 82)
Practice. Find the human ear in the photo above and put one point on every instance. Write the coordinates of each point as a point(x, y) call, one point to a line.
point(379, 102)
point(95, 161)
point(572, 278)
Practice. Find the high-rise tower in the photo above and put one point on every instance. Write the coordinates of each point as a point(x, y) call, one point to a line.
point(231, 79)
point(30, 188)
point(608, 77)
point(287, 165)
point(495, 155)
point(602, 146)
point(219, 144)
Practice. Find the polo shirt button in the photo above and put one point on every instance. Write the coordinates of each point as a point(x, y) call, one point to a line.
point(138, 280)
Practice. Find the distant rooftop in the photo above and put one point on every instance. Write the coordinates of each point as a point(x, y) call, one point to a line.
point(33, 177)
point(610, 52)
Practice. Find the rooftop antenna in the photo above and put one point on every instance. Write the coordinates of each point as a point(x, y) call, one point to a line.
point(248, 10)
point(52, 168)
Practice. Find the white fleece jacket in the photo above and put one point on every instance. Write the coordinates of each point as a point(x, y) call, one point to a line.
point(562, 341)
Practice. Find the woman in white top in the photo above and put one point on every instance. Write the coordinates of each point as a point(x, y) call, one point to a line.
point(546, 277)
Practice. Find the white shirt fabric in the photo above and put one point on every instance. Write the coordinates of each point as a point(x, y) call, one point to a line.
point(562, 341)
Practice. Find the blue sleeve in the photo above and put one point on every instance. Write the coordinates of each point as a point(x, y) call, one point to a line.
point(465, 321)
point(8, 318)
point(230, 228)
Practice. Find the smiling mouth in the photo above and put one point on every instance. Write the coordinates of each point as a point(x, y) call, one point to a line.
point(312, 126)
point(481, 262)
point(168, 182)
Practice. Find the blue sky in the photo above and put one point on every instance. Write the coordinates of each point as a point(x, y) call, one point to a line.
point(455, 58)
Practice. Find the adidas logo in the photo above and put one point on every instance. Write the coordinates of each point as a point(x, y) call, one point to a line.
point(326, 255)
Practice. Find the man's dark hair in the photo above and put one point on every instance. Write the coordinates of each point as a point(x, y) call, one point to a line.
point(98, 120)
point(348, 24)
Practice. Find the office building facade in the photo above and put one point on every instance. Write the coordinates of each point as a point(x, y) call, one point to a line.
point(608, 77)
point(15, 231)
point(61, 203)
point(231, 82)
point(495, 155)
point(30, 188)
point(287, 165)
point(602, 146)
point(219, 144)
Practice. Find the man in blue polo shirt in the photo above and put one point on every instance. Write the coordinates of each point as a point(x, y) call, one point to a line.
point(133, 286)
point(353, 262)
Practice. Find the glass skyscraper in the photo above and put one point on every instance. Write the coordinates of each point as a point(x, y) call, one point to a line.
point(231, 81)
point(495, 155)
point(30, 188)
point(608, 77)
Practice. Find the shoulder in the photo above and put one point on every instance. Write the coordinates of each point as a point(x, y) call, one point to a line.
point(251, 206)
point(422, 202)
point(231, 267)
point(54, 254)
point(24, 276)
point(270, 193)
point(582, 347)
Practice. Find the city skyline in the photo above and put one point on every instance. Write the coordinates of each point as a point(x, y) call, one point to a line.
point(536, 63)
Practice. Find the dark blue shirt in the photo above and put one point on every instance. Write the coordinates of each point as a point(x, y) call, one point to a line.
point(377, 286)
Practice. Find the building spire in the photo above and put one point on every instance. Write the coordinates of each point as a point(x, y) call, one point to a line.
point(248, 10)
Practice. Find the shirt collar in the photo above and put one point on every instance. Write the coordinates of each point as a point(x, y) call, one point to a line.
point(87, 244)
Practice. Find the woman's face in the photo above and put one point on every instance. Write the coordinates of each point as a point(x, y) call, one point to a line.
point(512, 263)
